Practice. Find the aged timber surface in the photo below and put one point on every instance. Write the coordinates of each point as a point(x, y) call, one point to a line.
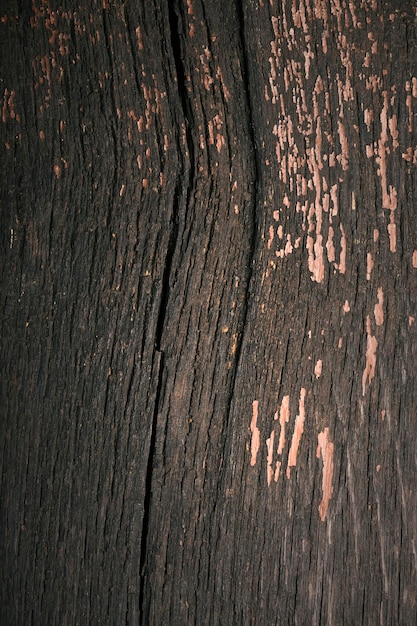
point(208, 312)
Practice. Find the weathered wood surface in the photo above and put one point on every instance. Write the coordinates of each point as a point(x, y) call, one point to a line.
point(208, 305)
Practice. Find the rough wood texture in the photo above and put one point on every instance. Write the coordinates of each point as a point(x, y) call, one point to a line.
point(208, 307)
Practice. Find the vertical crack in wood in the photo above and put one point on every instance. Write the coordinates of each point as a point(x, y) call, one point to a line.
point(256, 171)
point(185, 180)
point(166, 277)
point(143, 618)
point(183, 189)
point(187, 161)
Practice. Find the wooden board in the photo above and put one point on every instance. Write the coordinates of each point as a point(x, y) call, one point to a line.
point(208, 305)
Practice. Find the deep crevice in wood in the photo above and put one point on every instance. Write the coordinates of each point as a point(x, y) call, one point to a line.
point(128, 492)
point(148, 494)
point(176, 35)
point(185, 180)
point(172, 243)
point(183, 189)
point(256, 182)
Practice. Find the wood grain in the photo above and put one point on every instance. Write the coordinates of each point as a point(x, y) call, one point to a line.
point(208, 308)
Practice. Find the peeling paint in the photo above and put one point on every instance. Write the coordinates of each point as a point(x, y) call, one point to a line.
point(344, 157)
point(369, 265)
point(392, 232)
point(342, 261)
point(371, 347)
point(8, 108)
point(298, 431)
point(256, 441)
point(318, 368)
point(271, 236)
point(325, 448)
point(284, 416)
point(270, 448)
point(378, 309)
point(139, 38)
point(331, 252)
point(313, 131)
point(277, 470)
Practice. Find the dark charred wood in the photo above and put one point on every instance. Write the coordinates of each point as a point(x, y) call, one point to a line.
point(208, 312)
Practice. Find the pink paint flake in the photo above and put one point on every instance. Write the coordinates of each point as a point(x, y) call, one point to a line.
point(414, 259)
point(369, 265)
point(392, 232)
point(409, 104)
point(409, 155)
point(288, 246)
point(298, 431)
point(318, 368)
point(392, 125)
point(331, 252)
point(139, 38)
point(271, 237)
point(389, 194)
point(270, 448)
point(344, 146)
point(371, 346)
point(335, 200)
point(220, 142)
point(277, 469)
point(284, 416)
point(368, 116)
point(342, 263)
point(308, 56)
point(325, 449)
point(379, 309)
point(315, 258)
point(369, 149)
point(315, 248)
point(256, 440)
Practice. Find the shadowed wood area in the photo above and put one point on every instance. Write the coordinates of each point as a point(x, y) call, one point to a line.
point(208, 312)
